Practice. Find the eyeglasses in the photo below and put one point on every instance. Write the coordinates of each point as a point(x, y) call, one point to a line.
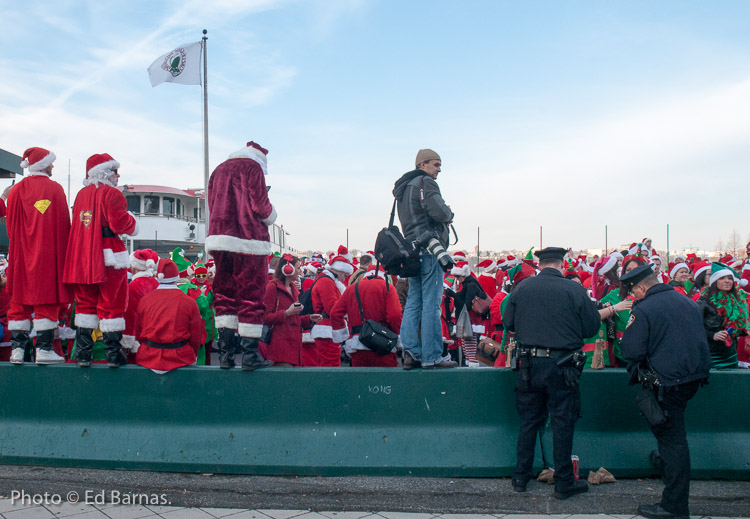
point(201, 275)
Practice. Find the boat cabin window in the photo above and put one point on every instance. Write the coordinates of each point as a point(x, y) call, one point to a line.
point(179, 207)
point(134, 203)
point(168, 206)
point(151, 204)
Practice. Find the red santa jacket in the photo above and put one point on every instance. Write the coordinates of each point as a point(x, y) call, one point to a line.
point(142, 284)
point(166, 315)
point(379, 303)
point(98, 208)
point(325, 293)
point(489, 284)
point(240, 209)
point(38, 226)
point(286, 339)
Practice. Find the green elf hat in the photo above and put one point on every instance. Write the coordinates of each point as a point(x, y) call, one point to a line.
point(520, 272)
point(529, 258)
point(720, 270)
point(183, 264)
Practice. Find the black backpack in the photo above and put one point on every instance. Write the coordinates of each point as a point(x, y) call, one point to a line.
point(305, 298)
point(398, 256)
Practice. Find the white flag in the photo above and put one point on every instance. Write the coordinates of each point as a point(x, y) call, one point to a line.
point(182, 65)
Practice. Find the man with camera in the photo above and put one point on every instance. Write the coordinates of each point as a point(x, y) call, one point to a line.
point(550, 316)
point(666, 345)
point(425, 218)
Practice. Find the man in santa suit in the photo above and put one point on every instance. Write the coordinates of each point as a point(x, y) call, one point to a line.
point(486, 276)
point(98, 268)
point(143, 265)
point(238, 240)
point(170, 327)
point(38, 225)
point(329, 285)
point(379, 303)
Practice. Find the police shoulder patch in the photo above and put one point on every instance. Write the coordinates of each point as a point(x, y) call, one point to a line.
point(630, 321)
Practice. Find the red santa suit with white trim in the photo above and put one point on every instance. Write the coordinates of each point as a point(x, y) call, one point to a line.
point(170, 328)
point(238, 239)
point(98, 269)
point(325, 294)
point(379, 303)
point(38, 225)
point(143, 264)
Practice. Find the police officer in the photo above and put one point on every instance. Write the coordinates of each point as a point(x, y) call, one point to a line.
point(550, 316)
point(666, 344)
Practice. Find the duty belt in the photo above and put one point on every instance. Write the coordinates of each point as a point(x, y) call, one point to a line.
point(166, 345)
point(545, 353)
point(108, 233)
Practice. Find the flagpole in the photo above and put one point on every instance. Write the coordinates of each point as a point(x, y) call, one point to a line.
point(205, 140)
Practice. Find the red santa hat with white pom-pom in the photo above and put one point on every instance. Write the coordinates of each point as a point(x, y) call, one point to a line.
point(144, 259)
point(37, 159)
point(99, 167)
point(341, 264)
point(167, 271)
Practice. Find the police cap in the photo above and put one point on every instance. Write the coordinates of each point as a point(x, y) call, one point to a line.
point(636, 275)
point(551, 253)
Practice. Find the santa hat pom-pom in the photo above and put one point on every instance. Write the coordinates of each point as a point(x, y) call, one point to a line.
point(150, 264)
point(24, 164)
point(160, 275)
point(743, 282)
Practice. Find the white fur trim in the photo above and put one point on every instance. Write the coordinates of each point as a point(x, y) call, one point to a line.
point(128, 341)
point(250, 330)
point(116, 324)
point(135, 231)
point(39, 165)
point(118, 260)
point(720, 274)
point(90, 321)
point(321, 331)
point(673, 272)
point(616, 255)
point(24, 325)
point(43, 324)
point(340, 335)
point(226, 321)
point(611, 262)
point(268, 220)
point(461, 271)
point(746, 267)
point(143, 274)
point(38, 174)
point(168, 287)
point(253, 154)
point(164, 280)
point(341, 266)
point(307, 338)
point(701, 270)
point(477, 328)
point(101, 173)
point(743, 282)
point(66, 332)
point(223, 242)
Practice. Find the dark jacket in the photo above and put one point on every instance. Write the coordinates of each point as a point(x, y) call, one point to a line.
point(551, 311)
point(470, 288)
point(712, 323)
point(421, 212)
point(666, 328)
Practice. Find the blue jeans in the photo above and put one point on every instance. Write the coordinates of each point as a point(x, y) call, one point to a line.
point(423, 307)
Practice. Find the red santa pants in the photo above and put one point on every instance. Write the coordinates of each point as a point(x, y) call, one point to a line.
point(45, 316)
point(364, 359)
point(329, 353)
point(239, 288)
point(103, 304)
point(309, 354)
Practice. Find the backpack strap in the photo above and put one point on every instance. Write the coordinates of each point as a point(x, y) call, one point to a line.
point(393, 213)
point(359, 301)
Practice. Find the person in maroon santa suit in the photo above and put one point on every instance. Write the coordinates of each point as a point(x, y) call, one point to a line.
point(170, 328)
point(98, 269)
point(379, 303)
point(38, 225)
point(143, 266)
point(329, 285)
point(238, 239)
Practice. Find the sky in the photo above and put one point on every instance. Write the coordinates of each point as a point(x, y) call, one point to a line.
point(565, 116)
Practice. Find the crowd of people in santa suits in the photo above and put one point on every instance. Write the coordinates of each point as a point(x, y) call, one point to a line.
point(103, 304)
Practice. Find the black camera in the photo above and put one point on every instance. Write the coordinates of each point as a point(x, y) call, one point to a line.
point(429, 240)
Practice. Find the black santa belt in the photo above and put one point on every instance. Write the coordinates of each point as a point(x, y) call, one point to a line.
point(166, 345)
point(545, 353)
point(108, 233)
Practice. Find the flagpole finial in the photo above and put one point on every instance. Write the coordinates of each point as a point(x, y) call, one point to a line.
point(204, 33)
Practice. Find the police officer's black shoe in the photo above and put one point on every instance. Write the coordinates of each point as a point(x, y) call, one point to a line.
point(578, 487)
point(657, 512)
point(518, 485)
point(657, 462)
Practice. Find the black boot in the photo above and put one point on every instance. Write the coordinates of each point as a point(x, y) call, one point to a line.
point(115, 355)
point(84, 346)
point(227, 347)
point(18, 341)
point(251, 358)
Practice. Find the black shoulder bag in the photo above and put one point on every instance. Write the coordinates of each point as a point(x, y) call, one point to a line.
point(398, 256)
point(377, 337)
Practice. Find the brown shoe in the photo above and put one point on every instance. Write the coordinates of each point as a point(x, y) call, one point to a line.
point(409, 362)
point(442, 365)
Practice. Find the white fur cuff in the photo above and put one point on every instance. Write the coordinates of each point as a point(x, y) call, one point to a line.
point(250, 330)
point(89, 321)
point(112, 325)
point(42, 325)
point(268, 220)
point(227, 321)
point(340, 335)
point(23, 326)
point(223, 242)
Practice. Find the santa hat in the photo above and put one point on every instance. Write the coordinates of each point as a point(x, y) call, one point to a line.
point(698, 267)
point(343, 251)
point(313, 267)
point(210, 265)
point(644, 240)
point(37, 159)
point(254, 152)
point(727, 259)
point(720, 270)
point(461, 268)
point(341, 264)
point(144, 259)
point(605, 264)
point(373, 268)
point(520, 272)
point(679, 258)
point(369, 253)
point(634, 247)
point(99, 167)
point(459, 256)
point(637, 257)
point(167, 271)
point(678, 266)
point(486, 266)
point(691, 257)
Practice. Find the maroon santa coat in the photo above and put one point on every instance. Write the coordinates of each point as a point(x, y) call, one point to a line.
point(166, 315)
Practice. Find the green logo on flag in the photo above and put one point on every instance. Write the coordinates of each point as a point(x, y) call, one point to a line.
point(174, 62)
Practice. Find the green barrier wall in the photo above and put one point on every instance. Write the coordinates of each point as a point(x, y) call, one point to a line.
point(345, 421)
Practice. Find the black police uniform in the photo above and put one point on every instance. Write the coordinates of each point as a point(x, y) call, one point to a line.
point(550, 316)
point(666, 331)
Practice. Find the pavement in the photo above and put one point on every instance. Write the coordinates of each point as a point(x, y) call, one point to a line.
point(41, 492)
